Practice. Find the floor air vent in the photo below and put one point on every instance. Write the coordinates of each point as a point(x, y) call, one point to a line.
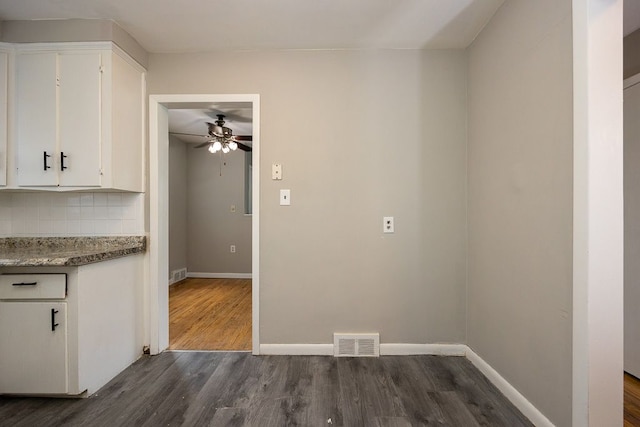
point(178, 275)
point(356, 345)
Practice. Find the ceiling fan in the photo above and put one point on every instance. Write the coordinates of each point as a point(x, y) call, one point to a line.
point(221, 138)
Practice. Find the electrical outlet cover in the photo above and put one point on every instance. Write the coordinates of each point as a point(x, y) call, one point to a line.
point(387, 224)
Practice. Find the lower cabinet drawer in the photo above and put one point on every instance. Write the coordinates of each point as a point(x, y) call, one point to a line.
point(33, 286)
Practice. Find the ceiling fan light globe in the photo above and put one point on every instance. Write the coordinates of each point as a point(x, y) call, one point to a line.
point(211, 148)
point(217, 146)
point(225, 149)
point(233, 145)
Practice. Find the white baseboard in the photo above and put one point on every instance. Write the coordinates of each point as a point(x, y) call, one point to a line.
point(400, 349)
point(297, 349)
point(220, 275)
point(385, 349)
point(518, 400)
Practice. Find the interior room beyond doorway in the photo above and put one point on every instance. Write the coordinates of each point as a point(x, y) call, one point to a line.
point(210, 230)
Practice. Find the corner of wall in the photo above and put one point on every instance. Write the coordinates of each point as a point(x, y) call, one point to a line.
point(510, 392)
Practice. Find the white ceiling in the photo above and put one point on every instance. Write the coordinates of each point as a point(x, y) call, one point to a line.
point(206, 25)
point(210, 25)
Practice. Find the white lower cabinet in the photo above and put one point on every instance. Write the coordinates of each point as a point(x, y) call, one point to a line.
point(36, 335)
point(69, 330)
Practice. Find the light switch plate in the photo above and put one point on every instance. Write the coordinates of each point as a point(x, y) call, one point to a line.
point(276, 171)
point(285, 197)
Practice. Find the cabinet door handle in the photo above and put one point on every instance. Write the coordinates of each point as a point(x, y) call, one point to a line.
point(46, 166)
point(62, 157)
point(25, 284)
point(53, 319)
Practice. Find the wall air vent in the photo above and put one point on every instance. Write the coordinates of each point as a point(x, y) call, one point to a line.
point(356, 345)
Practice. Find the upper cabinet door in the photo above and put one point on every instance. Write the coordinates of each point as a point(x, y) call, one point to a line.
point(79, 116)
point(126, 154)
point(36, 118)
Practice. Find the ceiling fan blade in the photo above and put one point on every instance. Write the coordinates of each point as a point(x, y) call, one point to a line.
point(188, 134)
point(243, 147)
point(243, 137)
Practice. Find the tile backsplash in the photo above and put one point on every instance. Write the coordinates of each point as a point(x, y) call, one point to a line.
point(71, 214)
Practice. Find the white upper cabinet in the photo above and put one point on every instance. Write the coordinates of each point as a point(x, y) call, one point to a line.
point(79, 118)
point(36, 112)
point(79, 113)
point(4, 102)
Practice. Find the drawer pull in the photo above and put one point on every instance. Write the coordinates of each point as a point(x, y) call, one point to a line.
point(53, 319)
point(25, 284)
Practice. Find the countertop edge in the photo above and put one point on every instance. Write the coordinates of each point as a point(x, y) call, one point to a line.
point(72, 261)
point(84, 256)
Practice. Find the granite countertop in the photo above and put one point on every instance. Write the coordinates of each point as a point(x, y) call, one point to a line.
point(66, 251)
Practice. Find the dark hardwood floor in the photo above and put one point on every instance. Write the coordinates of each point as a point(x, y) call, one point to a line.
point(210, 314)
point(238, 389)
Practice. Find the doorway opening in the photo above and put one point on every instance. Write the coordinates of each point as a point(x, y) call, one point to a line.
point(159, 226)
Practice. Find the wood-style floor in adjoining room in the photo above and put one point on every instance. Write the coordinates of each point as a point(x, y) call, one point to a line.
point(210, 314)
point(631, 401)
point(222, 389)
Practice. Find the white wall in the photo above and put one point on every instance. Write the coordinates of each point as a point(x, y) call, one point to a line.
point(201, 224)
point(71, 214)
point(632, 208)
point(632, 230)
point(361, 135)
point(598, 226)
point(520, 201)
point(177, 204)
point(212, 228)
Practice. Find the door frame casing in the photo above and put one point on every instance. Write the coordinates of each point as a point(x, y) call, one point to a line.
point(156, 310)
